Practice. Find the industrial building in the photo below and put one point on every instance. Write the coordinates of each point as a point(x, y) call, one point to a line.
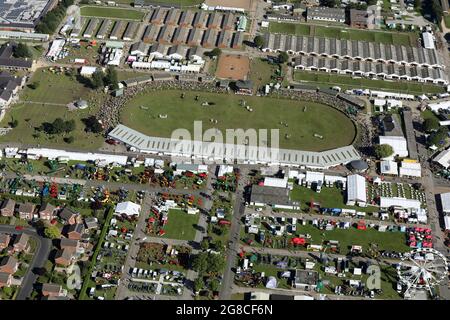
point(104, 28)
point(276, 197)
point(91, 27)
point(210, 38)
point(116, 30)
point(225, 38)
point(215, 20)
point(228, 22)
point(180, 35)
point(353, 50)
point(23, 15)
point(398, 144)
point(166, 33)
point(130, 31)
point(195, 37)
point(370, 69)
point(325, 14)
point(186, 18)
point(172, 17)
point(158, 16)
point(151, 33)
point(200, 20)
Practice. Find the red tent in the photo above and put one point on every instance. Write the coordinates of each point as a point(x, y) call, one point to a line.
point(224, 222)
point(361, 225)
point(161, 232)
point(298, 241)
point(261, 183)
point(151, 220)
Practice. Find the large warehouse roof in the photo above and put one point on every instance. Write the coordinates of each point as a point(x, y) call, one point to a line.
point(219, 151)
point(397, 143)
point(443, 158)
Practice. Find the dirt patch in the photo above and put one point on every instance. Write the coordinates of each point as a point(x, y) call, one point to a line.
point(233, 67)
point(243, 4)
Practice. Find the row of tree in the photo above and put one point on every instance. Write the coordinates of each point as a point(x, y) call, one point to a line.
point(105, 79)
point(53, 18)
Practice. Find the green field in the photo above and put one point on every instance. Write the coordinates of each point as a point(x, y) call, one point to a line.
point(113, 13)
point(343, 33)
point(180, 225)
point(328, 198)
point(54, 88)
point(447, 20)
point(347, 82)
point(302, 118)
point(31, 112)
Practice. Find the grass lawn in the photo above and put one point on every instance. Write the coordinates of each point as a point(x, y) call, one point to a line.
point(30, 116)
point(180, 225)
point(392, 241)
point(267, 114)
point(113, 13)
point(328, 198)
point(261, 71)
point(400, 38)
point(427, 114)
point(55, 87)
point(289, 28)
point(447, 20)
point(31, 112)
point(125, 75)
point(347, 82)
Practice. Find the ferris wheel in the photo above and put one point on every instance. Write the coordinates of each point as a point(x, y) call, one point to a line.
point(422, 269)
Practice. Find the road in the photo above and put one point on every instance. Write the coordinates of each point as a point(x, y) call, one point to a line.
point(238, 211)
point(39, 258)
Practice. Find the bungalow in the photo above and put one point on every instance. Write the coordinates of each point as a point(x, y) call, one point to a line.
point(91, 223)
point(70, 244)
point(52, 290)
point(26, 210)
point(7, 208)
point(68, 216)
point(64, 257)
point(75, 231)
point(4, 240)
point(9, 265)
point(21, 242)
point(47, 211)
point(5, 279)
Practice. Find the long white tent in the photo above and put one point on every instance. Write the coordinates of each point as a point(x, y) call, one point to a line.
point(54, 154)
point(386, 202)
point(356, 190)
point(445, 202)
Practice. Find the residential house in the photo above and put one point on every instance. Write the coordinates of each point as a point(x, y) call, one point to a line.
point(4, 240)
point(26, 210)
point(9, 265)
point(52, 290)
point(7, 60)
point(21, 242)
point(75, 231)
point(9, 86)
point(69, 216)
point(5, 279)
point(47, 211)
point(70, 244)
point(64, 257)
point(8, 207)
point(91, 223)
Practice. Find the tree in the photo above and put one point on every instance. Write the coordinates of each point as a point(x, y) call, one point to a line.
point(14, 123)
point(69, 140)
point(52, 232)
point(111, 78)
point(384, 150)
point(218, 245)
point(283, 57)
point(22, 51)
point(259, 41)
point(214, 285)
point(214, 53)
point(92, 125)
point(215, 263)
point(200, 263)
point(34, 85)
point(417, 4)
point(328, 3)
point(439, 137)
point(430, 124)
point(198, 284)
point(97, 79)
point(204, 244)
